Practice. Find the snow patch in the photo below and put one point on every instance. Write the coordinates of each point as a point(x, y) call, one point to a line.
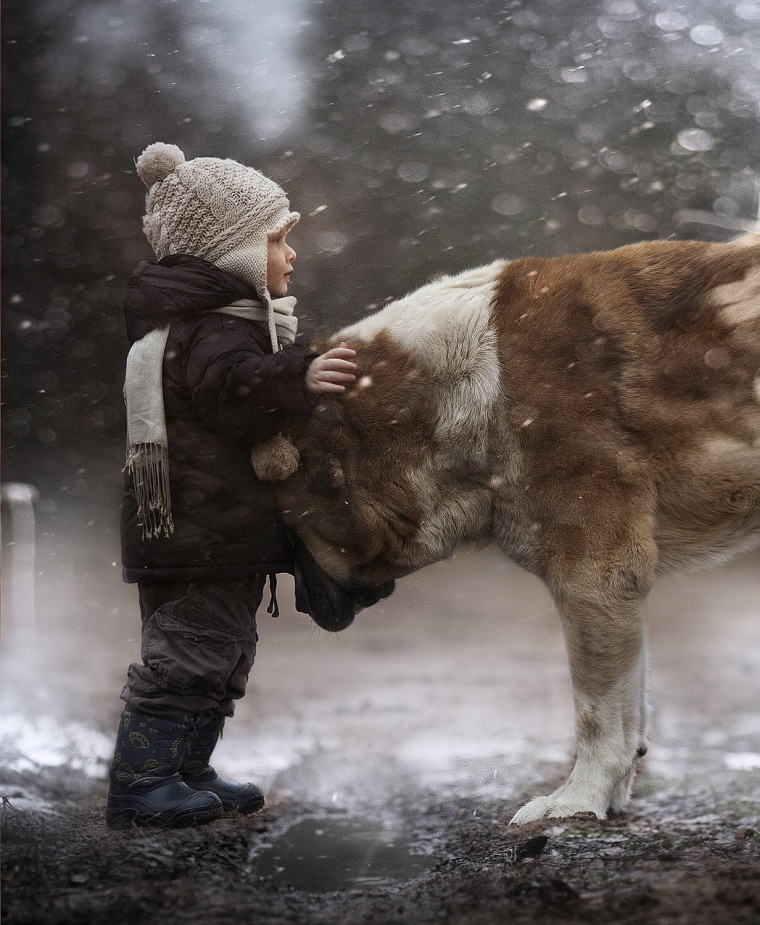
point(42, 742)
point(742, 761)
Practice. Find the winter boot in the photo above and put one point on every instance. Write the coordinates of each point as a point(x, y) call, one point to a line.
point(197, 773)
point(145, 788)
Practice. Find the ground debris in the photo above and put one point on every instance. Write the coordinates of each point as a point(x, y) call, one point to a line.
point(69, 868)
point(515, 854)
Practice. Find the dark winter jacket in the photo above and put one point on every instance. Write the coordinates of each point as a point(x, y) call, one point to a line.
point(224, 392)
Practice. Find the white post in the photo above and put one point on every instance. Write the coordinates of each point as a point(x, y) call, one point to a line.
point(18, 561)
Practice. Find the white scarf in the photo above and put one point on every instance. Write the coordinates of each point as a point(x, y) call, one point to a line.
point(148, 444)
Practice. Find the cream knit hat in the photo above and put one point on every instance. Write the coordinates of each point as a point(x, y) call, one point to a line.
point(211, 208)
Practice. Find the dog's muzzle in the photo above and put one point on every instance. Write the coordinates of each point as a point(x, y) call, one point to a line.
point(331, 605)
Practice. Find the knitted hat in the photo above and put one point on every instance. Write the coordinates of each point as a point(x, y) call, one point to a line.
point(211, 208)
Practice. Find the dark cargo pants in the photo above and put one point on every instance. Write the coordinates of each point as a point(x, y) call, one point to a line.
point(198, 646)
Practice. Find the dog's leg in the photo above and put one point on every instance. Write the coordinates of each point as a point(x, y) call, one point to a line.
point(606, 643)
point(622, 793)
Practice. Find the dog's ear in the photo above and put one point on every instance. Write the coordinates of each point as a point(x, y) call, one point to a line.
point(325, 474)
point(275, 460)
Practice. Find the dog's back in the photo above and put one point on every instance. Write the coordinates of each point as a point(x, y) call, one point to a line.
point(643, 365)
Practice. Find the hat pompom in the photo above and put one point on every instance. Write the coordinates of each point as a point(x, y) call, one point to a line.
point(157, 161)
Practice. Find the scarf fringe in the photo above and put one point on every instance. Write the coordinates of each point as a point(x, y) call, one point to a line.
point(149, 465)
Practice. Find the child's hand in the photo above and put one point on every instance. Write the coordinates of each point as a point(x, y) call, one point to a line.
point(332, 371)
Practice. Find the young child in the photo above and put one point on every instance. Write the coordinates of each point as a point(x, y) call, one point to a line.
point(212, 373)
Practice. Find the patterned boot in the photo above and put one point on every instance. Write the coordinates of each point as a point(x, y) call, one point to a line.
point(145, 788)
point(197, 773)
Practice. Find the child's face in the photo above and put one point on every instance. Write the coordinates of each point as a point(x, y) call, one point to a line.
point(279, 259)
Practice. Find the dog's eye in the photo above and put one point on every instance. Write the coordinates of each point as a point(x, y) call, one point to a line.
point(325, 474)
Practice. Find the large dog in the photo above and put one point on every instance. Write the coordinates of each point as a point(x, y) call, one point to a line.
point(597, 416)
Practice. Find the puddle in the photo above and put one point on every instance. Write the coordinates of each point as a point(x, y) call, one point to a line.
point(321, 855)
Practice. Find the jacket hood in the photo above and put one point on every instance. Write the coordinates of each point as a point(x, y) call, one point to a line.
point(177, 286)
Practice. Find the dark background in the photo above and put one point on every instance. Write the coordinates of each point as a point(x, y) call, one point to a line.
point(415, 137)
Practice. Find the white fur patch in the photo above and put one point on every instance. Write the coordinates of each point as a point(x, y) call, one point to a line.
point(757, 388)
point(740, 301)
point(604, 767)
point(445, 327)
point(721, 448)
point(439, 323)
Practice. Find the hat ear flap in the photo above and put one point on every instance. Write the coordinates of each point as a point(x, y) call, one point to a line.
point(248, 261)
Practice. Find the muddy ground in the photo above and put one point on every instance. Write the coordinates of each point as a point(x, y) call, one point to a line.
point(392, 757)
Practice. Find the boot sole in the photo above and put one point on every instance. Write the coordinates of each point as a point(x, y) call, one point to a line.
point(126, 818)
point(246, 810)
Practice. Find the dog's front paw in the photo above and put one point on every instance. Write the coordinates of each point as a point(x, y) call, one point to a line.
point(556, 808)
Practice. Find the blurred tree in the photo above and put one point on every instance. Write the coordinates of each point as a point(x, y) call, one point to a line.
point(86, 85)
point(451, 135)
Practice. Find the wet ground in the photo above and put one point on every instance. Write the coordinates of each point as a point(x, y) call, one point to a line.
point(392, 757)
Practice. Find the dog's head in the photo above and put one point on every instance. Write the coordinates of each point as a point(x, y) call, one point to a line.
point(338, 505)
point(351, 502)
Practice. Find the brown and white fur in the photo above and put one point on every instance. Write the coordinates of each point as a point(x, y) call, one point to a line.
point(597, 416)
